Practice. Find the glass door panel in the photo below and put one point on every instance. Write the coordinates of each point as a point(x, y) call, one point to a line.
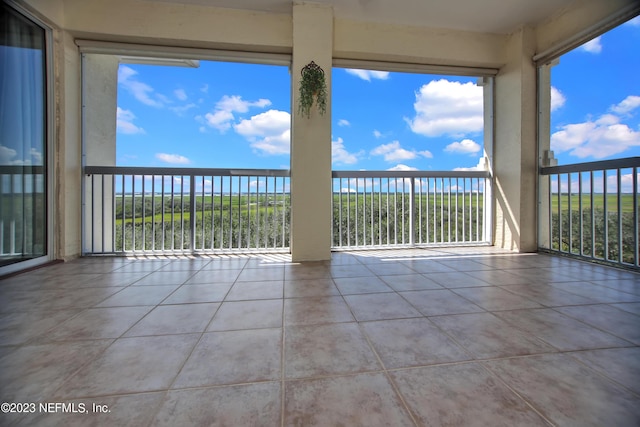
point(23, 174)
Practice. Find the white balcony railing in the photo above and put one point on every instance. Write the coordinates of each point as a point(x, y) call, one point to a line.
point(23, 212)
point(185, 210)
point(410, 208)
point(590, 210)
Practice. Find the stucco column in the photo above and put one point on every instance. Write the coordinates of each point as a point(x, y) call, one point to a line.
point(515, 150)
point(311, 138)
point(544, 147)
point(99, 97)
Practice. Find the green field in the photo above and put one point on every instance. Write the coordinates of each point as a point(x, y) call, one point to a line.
point(598, 202)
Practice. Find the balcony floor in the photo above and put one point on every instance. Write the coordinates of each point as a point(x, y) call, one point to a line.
point(466, 336)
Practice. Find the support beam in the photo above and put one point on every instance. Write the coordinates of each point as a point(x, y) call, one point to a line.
point(311, 139)
point(515, 151)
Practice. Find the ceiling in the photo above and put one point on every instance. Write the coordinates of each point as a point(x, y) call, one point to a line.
point(486, 16)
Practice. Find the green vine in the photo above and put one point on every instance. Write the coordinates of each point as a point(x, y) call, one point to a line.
point(312, 85)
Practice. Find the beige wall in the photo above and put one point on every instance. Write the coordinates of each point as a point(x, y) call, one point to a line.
point(311, 32)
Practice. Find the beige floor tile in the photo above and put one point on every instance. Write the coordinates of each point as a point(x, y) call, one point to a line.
point(440, 302)
point(360, 400)
point(568, 393)
point(619, 364)
point(493, 298)
point(487, 336)
point(410, 282)
point(97, 323)
point(307, 271)
point(617, 322)
point(175, 319)
point(131, 365)
point(597, 293)
point(32, 373)
point(309, 288)
point(214, 277)
point(256, 290)
point(241, 405)
point(456, 279)
point(548, 295)
point(233, 357)
point(350, 270)
point(308, 311)
point(361, 285)
point(131, 410)
point(412, 342)
point(261, 274)
point(187, 294)
point(631, 286)
point(20, 327)
point(248, 315)
point(560, 331)
point(462, 395)
point(159, 278)
point(380, 306)
point(318, 350)
point(390, 269)
point(631, 307)
point(139, 295)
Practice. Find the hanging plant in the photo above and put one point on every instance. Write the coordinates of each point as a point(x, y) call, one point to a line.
point(312, 86)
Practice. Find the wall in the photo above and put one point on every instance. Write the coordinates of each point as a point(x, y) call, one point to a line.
point(199, 26)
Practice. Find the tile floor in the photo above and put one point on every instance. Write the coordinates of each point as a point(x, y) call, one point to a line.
point(467, 336)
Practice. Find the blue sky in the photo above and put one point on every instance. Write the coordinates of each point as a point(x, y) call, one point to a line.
point(226, 115)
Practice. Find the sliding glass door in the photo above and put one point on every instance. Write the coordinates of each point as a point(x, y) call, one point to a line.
point(23, 154)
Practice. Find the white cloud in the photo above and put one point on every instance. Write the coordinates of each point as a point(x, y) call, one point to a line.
point(140, 91)
point(36, 156)
point(220, 119)
point(173, 158)
point(393, 152)
point(343, 122)
point(180, 94)
point(481, 166)
point(466, 146)
point(448, 108)
point(627, 105)
point(557, 99)
point(7, 155)
point(377, 133)
point(598, 139)
point(401, 167)
point(369, 74)
point(222, 116)
point(235, 103)
point(124, 122)
point(268, 132)
point(592, 46)
point(181, 110)
point(340, 155)
point(204, 88)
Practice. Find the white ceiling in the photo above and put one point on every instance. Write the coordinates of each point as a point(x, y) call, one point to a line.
point(486, 16)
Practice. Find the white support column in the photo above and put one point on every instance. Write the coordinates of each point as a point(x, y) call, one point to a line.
point(544, 146)
point(311, 138)
point(100, 90)
point(515, 150)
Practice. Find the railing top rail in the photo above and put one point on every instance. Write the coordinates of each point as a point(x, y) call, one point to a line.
point(21, 169)
point(410, 174)
point(135, 170)
point(627, 162)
